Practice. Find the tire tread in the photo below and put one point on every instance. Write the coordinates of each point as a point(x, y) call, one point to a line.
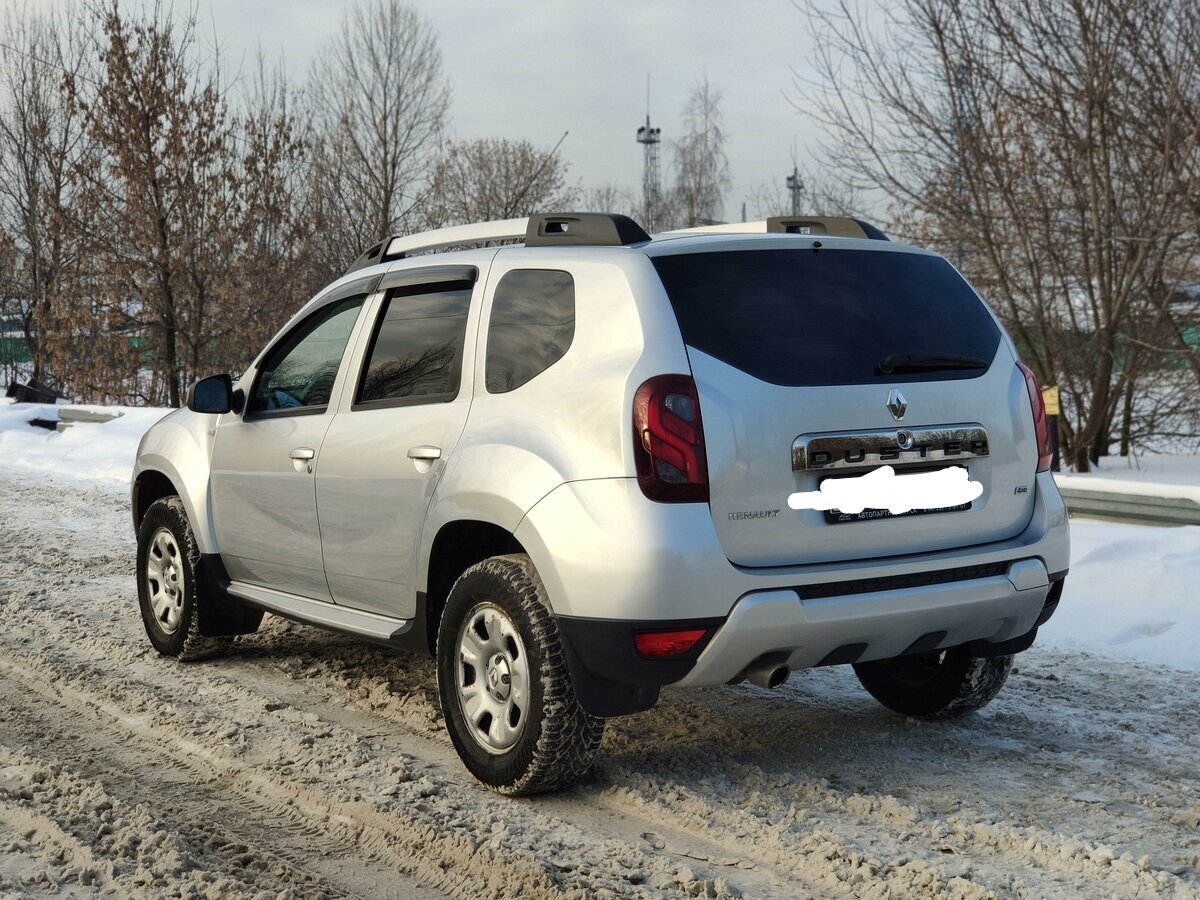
point(570, 737)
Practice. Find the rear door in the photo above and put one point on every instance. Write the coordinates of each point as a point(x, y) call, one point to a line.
point(785, 344)
point(382, 457)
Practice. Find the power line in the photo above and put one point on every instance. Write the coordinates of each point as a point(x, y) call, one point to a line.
point(516, 204)
point(48, 64)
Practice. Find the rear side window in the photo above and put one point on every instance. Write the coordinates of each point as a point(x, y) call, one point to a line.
point(531, 326)
point(804, 317)
point(416, 353)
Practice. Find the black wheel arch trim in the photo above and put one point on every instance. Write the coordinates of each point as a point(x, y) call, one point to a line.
point(610, 677)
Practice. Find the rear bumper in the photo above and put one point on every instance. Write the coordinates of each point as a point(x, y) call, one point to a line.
point(805, 632)
point(606, 554)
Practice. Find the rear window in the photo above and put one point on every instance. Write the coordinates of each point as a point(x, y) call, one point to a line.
point(804, 317)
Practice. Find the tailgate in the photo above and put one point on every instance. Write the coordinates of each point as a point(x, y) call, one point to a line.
point(794, 346)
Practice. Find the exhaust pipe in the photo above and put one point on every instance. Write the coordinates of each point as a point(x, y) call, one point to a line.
point(767, 672)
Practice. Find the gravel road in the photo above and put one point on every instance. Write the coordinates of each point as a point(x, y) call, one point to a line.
point(307, 764)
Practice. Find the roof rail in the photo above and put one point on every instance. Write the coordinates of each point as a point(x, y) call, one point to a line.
point(399, 246)
point(834, 226)
point(544, 230)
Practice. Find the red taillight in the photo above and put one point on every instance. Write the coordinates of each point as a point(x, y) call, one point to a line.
point(660, 644)
point(1041, 427)
point(668, 440)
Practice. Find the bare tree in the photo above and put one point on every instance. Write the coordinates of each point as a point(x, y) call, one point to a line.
point(379, 101)
point(156, 211)
point(482, 180)
point(607, 198)
point(275, 271)
point(1048, 147)
point(41, 138)
point(701, 165)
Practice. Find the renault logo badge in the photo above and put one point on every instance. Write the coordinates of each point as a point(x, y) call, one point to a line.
point(896, 404)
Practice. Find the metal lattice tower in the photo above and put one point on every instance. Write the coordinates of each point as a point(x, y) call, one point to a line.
point(649, 138)
point(795, 186)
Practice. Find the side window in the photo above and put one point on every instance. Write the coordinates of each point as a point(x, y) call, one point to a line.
point(416, 353)
point(531, 327)
point(301, 370)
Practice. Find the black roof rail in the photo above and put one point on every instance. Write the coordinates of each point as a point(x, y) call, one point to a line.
point(583, 229)
point(834, 226)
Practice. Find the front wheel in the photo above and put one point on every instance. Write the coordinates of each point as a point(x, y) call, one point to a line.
point(506, 693)
point(168, 587)
point(940, 684)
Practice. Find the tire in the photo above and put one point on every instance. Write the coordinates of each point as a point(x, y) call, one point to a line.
point(168, 587)
point(498, 648)
point(940, 684)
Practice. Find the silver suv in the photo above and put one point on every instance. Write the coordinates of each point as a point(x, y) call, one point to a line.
point(563, 457)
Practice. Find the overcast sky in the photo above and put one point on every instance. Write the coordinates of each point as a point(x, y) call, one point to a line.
point(536, 68)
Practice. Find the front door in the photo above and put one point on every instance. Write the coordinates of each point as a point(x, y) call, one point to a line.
point(263, 488)
point(382, 457)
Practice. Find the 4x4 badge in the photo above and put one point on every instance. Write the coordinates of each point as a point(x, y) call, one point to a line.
point(896, 404)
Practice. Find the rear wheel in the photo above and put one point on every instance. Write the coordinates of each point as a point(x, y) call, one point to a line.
point(506, 693)
point(940, 684)
point(168, 587)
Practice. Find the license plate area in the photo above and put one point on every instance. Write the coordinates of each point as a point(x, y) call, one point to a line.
point(837, 517)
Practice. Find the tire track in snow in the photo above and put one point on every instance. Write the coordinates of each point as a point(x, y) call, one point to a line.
point(877, 793)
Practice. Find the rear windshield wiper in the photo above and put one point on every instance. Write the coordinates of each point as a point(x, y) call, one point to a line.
point(922, 360)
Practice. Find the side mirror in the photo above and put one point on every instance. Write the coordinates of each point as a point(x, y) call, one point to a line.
point(211, 395)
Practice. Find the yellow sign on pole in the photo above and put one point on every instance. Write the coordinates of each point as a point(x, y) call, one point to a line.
point(1050, 398)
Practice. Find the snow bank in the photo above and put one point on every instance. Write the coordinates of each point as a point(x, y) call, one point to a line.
point(1131, 592)
point(91, 453)
point(1149, 475)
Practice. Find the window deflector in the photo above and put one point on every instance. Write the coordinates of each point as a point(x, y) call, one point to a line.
point(411, 282)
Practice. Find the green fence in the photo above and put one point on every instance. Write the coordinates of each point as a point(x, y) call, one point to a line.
point(13, 349)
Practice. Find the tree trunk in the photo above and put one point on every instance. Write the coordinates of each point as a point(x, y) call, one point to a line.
point(1127, 418)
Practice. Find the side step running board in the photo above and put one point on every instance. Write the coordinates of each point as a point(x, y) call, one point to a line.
point(327, 615)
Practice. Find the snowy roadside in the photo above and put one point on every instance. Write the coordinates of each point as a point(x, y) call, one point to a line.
point(309, 764)
point(1149, 475)
point(1129, 593)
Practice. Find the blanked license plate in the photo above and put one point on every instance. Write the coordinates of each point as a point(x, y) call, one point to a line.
point(837, 517)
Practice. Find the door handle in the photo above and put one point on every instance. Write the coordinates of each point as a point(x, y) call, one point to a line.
point(302, 454)
point(425, 452)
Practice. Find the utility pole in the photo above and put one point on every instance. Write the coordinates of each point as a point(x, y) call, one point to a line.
point(649, 138)
point(962, 122)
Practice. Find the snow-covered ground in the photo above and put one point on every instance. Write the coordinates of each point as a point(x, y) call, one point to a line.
point(1132, 592)
point(310, 764)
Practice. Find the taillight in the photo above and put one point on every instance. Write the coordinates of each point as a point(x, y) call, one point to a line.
point(668, 440)
point(1041, 427)
point(660, 644)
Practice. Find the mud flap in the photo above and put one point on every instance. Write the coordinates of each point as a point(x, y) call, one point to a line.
point(220, 613)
